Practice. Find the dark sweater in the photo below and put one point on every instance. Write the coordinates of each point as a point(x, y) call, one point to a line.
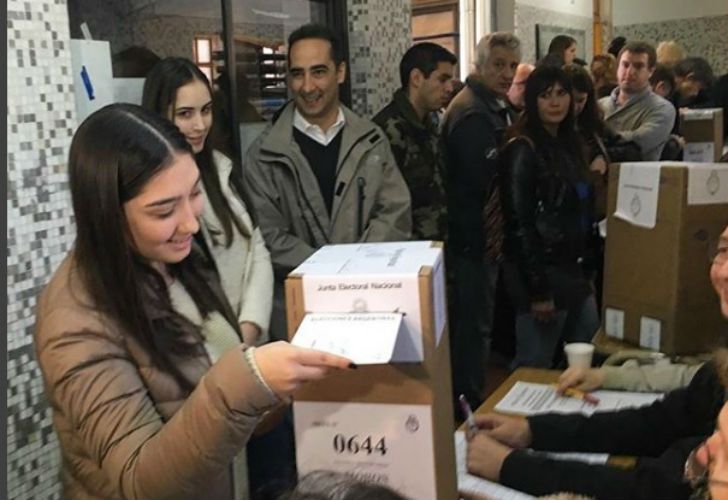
point(323, 161)
point(661, 434)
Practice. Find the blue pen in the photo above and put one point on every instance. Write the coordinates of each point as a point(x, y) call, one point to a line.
point(472, 427)
point(87, 83)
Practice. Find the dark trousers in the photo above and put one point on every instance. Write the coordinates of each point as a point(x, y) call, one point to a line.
point(474, 282)
point(272, 461)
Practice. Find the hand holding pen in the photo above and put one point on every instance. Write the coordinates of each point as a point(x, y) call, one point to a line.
point(471, 428)
point(570, 392)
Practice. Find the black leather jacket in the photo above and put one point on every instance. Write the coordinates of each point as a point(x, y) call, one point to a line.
point(547, 220)
point(473, 127)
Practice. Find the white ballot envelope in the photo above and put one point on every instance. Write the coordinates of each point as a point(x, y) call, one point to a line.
point(364, 338)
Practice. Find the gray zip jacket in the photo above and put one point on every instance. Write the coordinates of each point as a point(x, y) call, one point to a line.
point(646, 118)
point(371, 199)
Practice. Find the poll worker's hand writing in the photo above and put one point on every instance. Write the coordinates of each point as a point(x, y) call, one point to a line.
point(510, 431)
point(543, 311)
point(580, 378)
point(284, 367)
point(486, 456)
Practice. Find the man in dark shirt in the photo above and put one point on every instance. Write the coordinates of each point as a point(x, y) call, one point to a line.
point(410, 122)
point(475, 122)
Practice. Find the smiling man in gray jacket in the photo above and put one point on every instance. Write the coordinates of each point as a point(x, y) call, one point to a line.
point(320, 174)
point(633, 110)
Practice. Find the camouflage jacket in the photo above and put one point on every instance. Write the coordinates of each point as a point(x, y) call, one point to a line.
point(417, 150)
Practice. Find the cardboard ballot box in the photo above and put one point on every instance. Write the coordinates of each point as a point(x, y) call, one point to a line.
point(703, 133)
point(664, 218)
point(390, 421)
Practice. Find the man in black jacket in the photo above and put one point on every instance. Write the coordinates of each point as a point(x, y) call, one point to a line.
point(474, 124)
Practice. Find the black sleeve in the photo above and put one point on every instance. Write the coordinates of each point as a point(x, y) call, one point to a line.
point(619, 149)
point(518, 178)
point(646, 431)
point(472, 148)
point(650, 478)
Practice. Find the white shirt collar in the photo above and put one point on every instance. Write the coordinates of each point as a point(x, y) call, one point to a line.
point(314, 132)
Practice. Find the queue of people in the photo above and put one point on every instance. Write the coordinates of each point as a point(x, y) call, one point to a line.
point(161, 337)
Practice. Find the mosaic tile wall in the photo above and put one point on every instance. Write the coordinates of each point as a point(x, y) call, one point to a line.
point(41, 118)
point(526, 18)
point(701, 36)
point(379, 35)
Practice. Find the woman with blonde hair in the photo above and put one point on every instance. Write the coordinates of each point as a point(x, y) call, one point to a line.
point(669, 53)
point(604, 73)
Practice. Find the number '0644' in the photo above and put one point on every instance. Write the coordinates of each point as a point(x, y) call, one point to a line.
point(356, 444)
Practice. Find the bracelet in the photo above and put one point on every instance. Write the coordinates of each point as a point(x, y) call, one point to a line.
point(250, 358)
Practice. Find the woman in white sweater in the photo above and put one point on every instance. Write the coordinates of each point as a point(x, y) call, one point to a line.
point(176, 89)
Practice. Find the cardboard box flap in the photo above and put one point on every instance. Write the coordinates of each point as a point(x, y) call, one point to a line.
point(702, 130)
point(406, 257)
point(375, 278)
point(699, 114)
point(365, 338)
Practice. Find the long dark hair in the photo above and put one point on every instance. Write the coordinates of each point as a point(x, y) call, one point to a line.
point(589, 121)
point(560, 43)
point(160, 95)
point(529, 124)
point(114, 153)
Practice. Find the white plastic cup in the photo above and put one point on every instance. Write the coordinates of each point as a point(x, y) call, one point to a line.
point(579, 354)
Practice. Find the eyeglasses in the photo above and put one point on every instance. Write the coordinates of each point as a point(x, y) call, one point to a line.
point(697, 474)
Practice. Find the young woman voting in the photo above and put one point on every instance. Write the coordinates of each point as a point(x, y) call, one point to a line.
point(139, 406)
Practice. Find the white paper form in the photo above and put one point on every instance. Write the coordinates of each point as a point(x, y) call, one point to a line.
point(474, 485)
point(532, 399)
point(364, 338)
point(703, 152)
point(707, 183)
point(384, 443)
point(637, 193)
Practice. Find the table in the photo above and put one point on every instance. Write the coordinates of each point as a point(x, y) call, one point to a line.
point(540, 376)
